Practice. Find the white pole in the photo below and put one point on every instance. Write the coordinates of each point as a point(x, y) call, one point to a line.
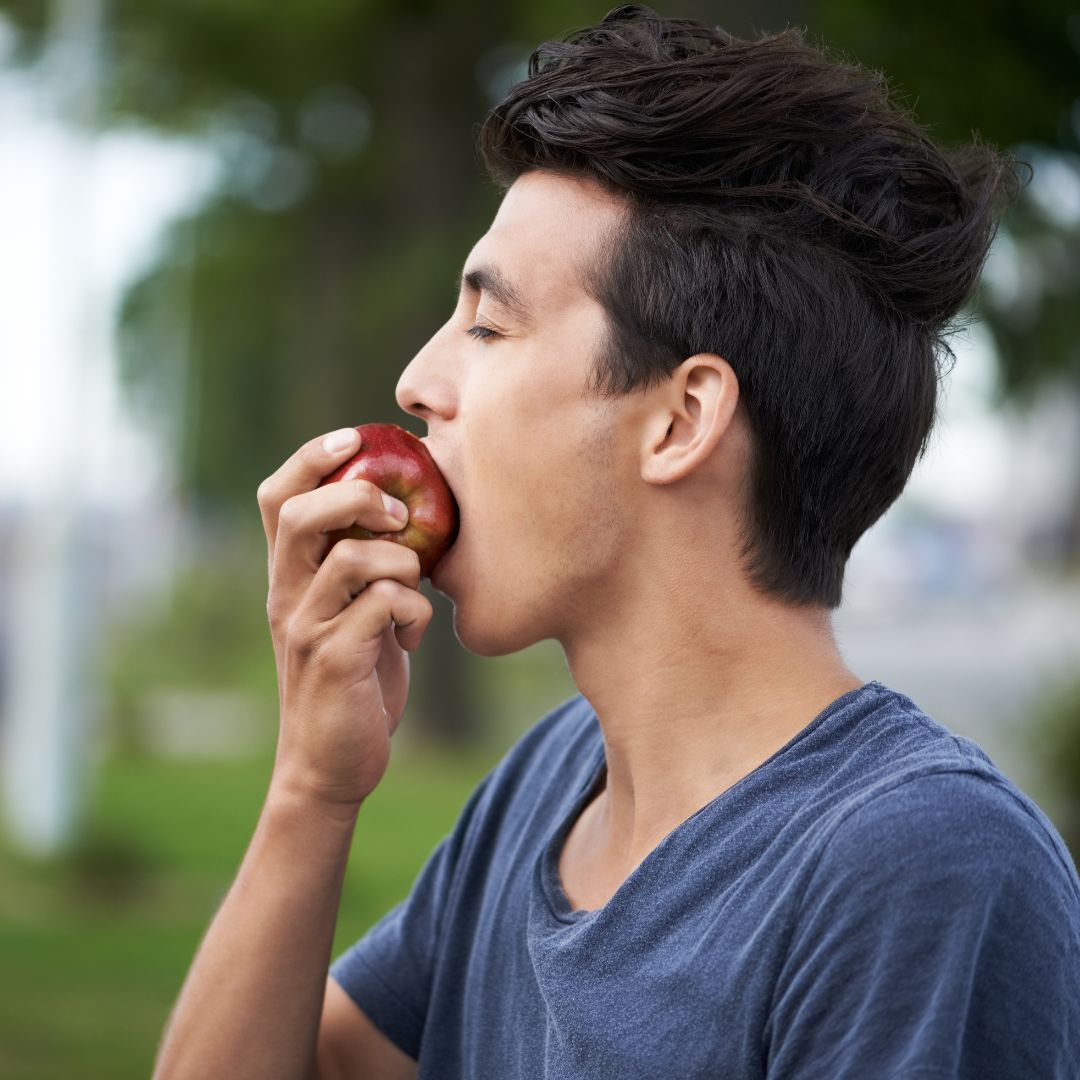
point(53, 698)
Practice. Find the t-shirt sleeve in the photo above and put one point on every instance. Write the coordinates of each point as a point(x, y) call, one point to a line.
point(388, 972)
point(937, 936)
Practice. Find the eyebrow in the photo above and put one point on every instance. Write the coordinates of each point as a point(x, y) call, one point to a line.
point(490, 279)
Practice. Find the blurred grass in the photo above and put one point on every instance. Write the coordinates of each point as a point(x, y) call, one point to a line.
point(96, 946)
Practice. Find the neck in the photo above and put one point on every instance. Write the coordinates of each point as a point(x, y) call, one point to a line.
point(691, 696)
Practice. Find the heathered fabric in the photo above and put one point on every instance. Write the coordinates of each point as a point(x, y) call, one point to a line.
point(876, 900)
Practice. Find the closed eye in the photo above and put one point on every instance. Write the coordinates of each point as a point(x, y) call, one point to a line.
point(481, 332)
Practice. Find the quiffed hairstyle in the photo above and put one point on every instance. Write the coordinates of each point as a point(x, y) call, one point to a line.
point(783, 213)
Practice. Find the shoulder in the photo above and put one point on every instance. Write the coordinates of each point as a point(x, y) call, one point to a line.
point(937, 932)
point(907, 786)
point(963, 827)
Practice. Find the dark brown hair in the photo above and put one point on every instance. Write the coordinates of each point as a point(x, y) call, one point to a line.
point(787, 215)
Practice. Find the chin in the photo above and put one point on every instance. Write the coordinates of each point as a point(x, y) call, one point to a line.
point(492, 637)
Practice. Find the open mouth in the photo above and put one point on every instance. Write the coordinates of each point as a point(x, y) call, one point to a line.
point(453, 495)
point(457, 520)
point(457, 514)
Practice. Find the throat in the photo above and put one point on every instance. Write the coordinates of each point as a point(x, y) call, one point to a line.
point(588, 874)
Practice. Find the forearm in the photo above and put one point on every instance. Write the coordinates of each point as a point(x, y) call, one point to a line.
point(253, 998)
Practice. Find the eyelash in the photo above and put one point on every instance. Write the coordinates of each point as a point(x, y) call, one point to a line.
point(481, 333)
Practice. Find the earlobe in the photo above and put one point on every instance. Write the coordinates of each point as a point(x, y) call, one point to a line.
point(694, 412)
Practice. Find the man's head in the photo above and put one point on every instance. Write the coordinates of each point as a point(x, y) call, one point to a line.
point(739, 262)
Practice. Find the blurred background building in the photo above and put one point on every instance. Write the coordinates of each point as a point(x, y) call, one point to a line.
point(225, 228)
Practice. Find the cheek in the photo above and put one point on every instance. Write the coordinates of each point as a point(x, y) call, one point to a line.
point(577, 487)
point(542, 459)
point(514, 429)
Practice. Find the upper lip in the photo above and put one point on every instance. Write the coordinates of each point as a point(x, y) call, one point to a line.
point(453, 493)
point(435, 458)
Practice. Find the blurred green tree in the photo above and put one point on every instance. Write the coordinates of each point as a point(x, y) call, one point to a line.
point(1011, 76)
point(351, 191)
point(349, 196)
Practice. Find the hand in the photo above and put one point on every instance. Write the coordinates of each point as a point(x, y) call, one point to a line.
point(341, 620)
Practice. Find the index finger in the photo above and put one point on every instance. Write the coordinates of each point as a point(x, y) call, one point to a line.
point(302, 472)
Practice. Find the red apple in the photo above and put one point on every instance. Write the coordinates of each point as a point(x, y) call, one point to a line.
point(397, 462)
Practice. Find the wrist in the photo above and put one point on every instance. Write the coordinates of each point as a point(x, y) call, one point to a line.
point(293, 794)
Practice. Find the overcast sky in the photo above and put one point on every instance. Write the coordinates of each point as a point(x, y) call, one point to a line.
point(79, 218)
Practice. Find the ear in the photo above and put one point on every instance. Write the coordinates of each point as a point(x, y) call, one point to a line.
point(692, 413)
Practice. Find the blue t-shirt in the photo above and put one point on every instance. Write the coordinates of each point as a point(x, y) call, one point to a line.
point(876, 900)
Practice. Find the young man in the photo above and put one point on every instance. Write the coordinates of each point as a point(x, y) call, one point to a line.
point(693, 360)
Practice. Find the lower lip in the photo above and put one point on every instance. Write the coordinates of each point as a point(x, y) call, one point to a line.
point(440, 566)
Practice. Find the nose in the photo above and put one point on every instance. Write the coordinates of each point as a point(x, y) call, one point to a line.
point(424, 388)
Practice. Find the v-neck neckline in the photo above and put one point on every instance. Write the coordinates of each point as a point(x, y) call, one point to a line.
point(555, 895)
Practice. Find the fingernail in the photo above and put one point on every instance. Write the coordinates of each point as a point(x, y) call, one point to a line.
point(339, 440)
point(396, 507)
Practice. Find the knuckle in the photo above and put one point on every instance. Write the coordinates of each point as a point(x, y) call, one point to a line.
point(290, 516)
point(345, 555)
point(367, 492)
point(383, 590)
point(275, 615)
point(264, 494)
point(399, 562)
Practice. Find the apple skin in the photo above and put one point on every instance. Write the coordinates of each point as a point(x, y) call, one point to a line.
point(397, 462)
